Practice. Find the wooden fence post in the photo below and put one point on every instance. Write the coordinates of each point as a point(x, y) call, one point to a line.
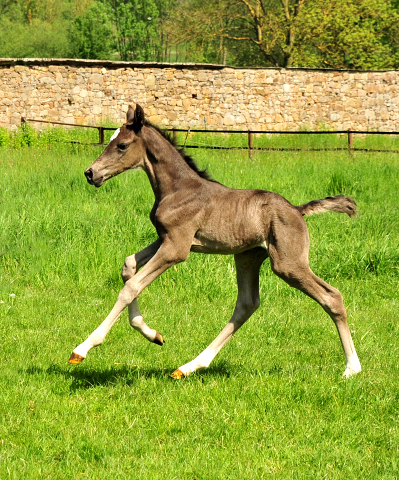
point(250, 138)
point(101, 135)
point(350, 140)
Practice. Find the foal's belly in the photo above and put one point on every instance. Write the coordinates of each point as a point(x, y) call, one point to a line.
point(226, 244)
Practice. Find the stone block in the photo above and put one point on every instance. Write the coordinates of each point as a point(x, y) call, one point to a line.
point(47, 80)
point(228, 119)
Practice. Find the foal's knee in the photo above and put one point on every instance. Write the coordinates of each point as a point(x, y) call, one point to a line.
point(129, 268)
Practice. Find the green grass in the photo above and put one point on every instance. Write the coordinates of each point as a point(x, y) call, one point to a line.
point(273, 404)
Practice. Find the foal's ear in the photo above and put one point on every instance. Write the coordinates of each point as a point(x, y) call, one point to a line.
point(130, 115)
point(135, 118)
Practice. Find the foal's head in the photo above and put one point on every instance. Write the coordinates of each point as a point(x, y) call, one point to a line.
point(125, 150)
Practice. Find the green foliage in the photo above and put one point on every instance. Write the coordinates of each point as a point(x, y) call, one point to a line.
point(199, 33)
point(348, 34)
point(307, 33)
point(34, 28)
point(137, 29)
point(27, 136)
point(5, 137)
point(91, 34)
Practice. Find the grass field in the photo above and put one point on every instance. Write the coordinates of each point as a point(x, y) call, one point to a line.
point(273, 404)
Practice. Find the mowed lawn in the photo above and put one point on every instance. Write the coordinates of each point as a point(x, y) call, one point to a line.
point(273, 404)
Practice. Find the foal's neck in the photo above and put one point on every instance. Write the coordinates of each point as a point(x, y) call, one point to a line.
point(166, 169)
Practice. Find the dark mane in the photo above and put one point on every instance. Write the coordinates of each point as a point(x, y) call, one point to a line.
point(189, 160)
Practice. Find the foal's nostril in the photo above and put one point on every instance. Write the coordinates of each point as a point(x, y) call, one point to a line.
point(89, 175)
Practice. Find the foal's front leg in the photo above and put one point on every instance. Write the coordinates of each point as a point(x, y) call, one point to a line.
point(132, 264)
point(159, 259)
point(137, 322)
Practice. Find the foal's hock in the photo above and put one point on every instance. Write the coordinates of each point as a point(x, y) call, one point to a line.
point(191, 212)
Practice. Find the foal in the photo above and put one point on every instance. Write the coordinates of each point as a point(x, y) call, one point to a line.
point(193, 213)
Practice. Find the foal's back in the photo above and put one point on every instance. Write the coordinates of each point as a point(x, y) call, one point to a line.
point(236, 220)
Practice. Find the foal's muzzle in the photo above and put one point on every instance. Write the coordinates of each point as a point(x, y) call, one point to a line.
point(89, 174)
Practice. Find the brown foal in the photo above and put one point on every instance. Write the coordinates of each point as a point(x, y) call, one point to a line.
point(194, 213)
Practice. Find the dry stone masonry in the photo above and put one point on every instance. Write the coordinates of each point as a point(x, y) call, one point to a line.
point(93, 92)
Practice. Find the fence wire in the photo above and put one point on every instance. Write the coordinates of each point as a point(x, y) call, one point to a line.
point(250, 147)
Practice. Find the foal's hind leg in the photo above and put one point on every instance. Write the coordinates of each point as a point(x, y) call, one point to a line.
point(247, 264)
point(295, 270)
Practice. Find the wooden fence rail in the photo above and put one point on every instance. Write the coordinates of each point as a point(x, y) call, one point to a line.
point(250, 135)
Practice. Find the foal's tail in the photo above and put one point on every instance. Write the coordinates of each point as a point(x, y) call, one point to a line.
point(340, 204)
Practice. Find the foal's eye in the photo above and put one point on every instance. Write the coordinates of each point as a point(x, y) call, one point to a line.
point(122, 146)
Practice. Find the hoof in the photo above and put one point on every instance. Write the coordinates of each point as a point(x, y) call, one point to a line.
point(178, 374)
point(349, 372)
point(76, 358)
point(352, 367)
point(158, 339)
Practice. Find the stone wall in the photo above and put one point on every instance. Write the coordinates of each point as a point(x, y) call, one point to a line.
point(93, 92)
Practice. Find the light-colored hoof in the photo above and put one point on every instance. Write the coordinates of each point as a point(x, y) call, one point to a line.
point(75, 358)
point(349, 372)
point(158, 339)
point(178, 374)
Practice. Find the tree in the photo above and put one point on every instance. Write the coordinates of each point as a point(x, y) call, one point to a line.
point(202, 31)
point(33, 28)
point(256, 30)
point(359, 34)
point(91, 34)
point(284, 33)
point(136, 24)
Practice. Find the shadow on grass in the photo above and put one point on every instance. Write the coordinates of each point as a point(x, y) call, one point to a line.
point(84, 378)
